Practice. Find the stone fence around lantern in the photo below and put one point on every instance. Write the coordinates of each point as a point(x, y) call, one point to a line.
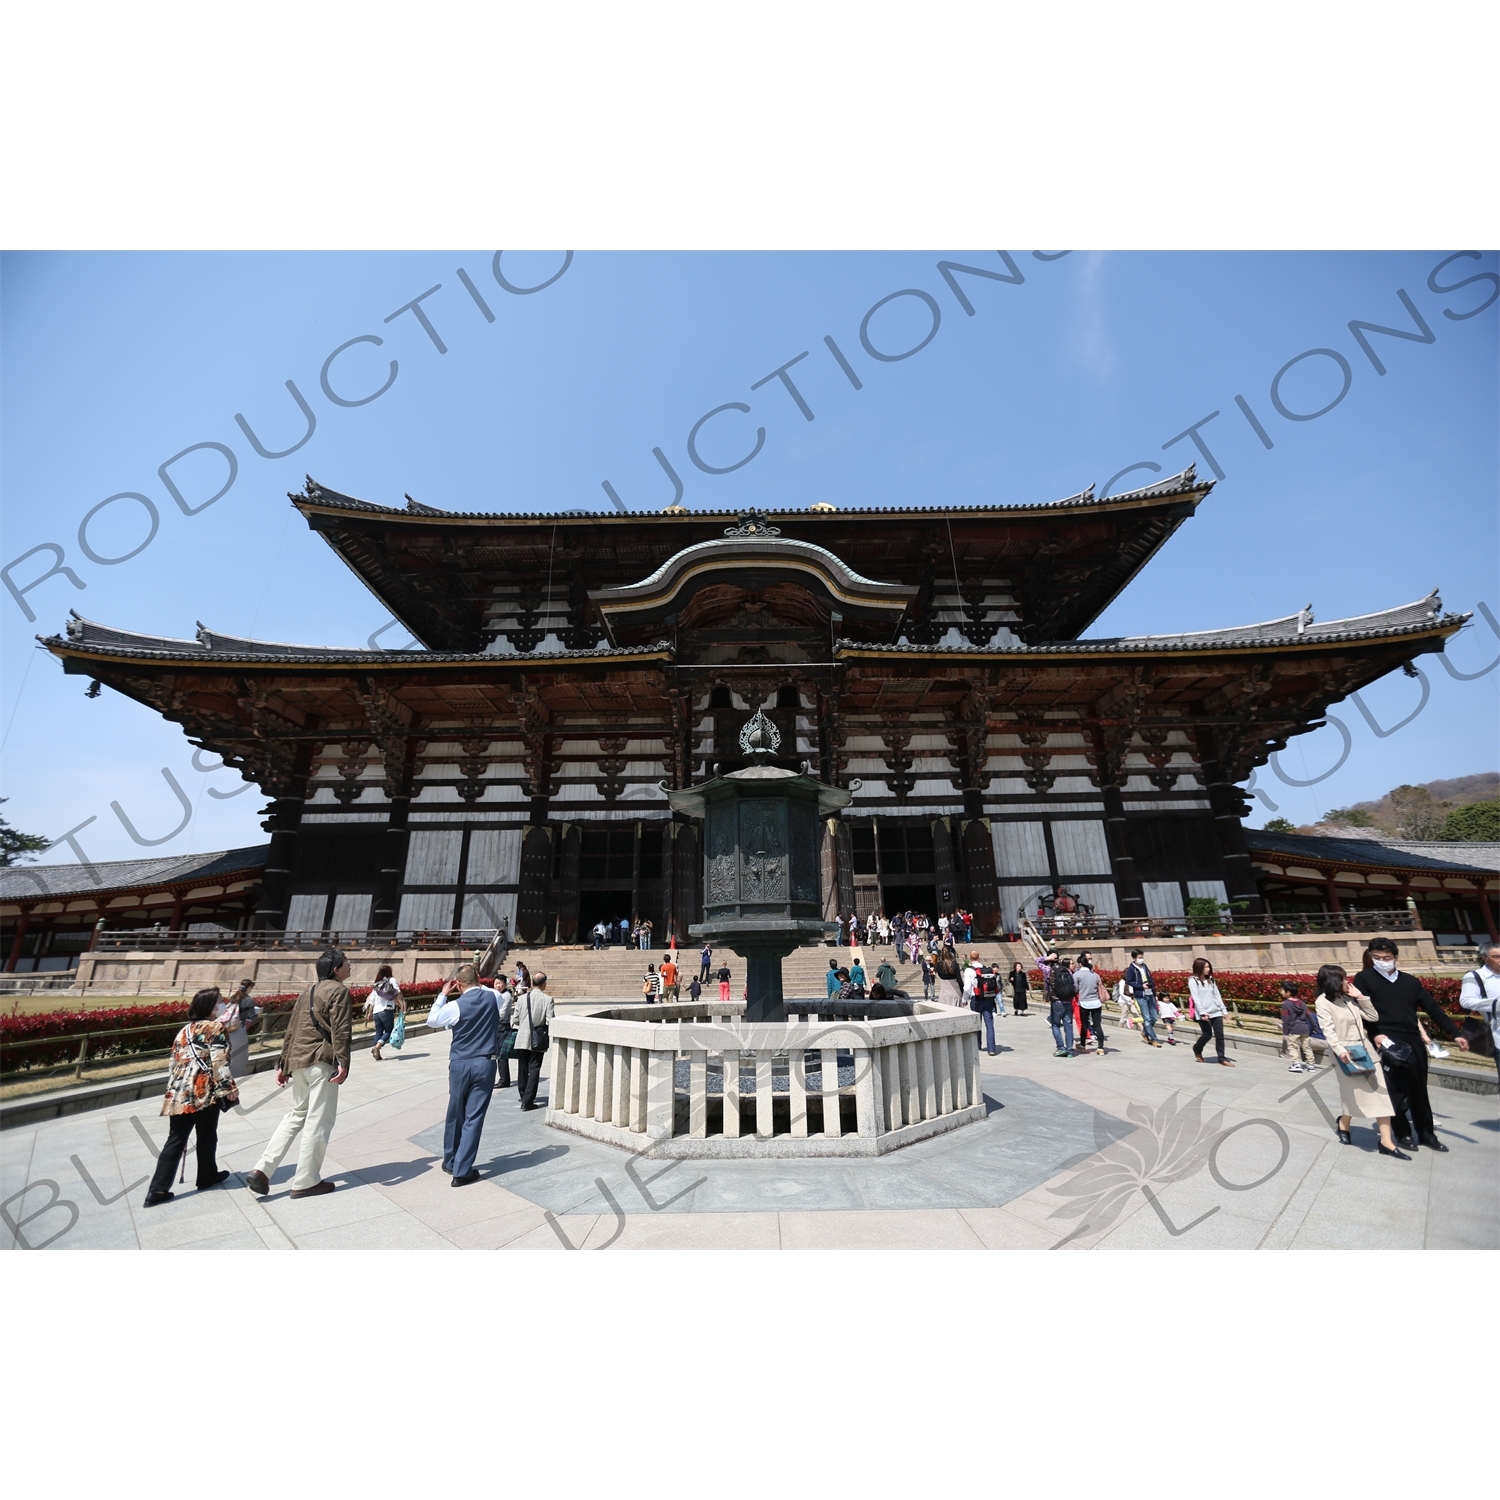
point(700, 1081)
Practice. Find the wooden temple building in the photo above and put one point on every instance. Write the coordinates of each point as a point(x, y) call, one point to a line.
point(576, 665)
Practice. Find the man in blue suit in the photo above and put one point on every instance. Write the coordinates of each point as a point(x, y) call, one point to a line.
point(473, 1014)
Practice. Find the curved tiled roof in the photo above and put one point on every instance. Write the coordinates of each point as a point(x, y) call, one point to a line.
point(321, 497)
point(1369, 853)
point(209, 646)
point(1420, 616)
point(41, 882)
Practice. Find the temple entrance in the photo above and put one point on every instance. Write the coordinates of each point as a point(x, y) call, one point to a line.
point(601, 906)
point(918, 899)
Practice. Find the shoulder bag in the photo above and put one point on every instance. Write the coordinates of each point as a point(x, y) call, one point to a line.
point(1359, 1062)
point(541, 1036)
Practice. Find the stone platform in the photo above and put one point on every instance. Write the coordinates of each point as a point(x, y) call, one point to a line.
point(1074, 1153)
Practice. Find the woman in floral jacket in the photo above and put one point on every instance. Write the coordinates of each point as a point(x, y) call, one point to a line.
point(199, 1086)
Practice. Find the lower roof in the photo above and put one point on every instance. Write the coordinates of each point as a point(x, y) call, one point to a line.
point(1369, 854)
point(116, 876)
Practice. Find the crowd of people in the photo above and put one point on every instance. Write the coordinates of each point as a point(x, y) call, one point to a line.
point(910, 933)
point(629, 933)
point(1376, 1025)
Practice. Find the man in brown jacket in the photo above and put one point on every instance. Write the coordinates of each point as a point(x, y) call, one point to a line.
point(315, 1058)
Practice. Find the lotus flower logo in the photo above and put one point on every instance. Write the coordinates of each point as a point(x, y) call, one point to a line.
point(1174, 1143)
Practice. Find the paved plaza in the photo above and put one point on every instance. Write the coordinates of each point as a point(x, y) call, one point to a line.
point(1140, 1148)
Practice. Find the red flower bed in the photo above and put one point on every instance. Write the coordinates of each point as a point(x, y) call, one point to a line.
point(152, 1027)
point(1258, 991)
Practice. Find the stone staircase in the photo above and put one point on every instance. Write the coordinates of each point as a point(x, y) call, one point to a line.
point(581, 976)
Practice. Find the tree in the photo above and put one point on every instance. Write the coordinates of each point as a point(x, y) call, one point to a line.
point(1280, 825)
point(16, 846)
point(1418, 815)
point(1346, 817)
point(1473, 822)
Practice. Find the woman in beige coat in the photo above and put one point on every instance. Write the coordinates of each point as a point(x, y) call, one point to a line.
point(1342, 1013)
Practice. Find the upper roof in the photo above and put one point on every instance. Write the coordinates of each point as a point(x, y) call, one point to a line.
point(111, 876)
point(439, 572)
point(317, 497)
point(1370, 853)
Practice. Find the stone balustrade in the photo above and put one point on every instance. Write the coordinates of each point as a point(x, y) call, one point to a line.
point(699, 1081)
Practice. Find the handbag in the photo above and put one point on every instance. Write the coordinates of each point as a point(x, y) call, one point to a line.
point(1359, 1061)
point(507, 1043)
point(398, 1031)
point(1396, 1053)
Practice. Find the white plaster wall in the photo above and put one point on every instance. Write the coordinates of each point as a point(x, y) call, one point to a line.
point(432, 857)
point(1163, 898)
point(1020, 850)
point(494, 856)
point(352, 912)
point(434, 910)
point(1081, 849)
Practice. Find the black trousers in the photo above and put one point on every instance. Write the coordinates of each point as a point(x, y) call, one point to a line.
point(1210, 1026)
point(1091, 1020)
point(206, 1123)
point(1407, 1086)
point(528, 1074)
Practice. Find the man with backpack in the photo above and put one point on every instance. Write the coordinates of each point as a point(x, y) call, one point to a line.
point(1142, 989)
point(1061, 989)
point(1481, 992)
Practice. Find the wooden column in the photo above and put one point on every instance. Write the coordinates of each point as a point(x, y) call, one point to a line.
point(385, 905)
point(1333, 894)
point(22, 923)
point(1228, 805)
point(283, 823)
point(1128, 892)
point(1486, 911)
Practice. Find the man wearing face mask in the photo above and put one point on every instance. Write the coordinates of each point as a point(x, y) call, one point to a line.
point(1397, 997)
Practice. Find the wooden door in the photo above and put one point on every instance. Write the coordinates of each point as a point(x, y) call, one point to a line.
point(536, 875)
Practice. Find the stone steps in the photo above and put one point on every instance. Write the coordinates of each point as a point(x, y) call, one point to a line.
point(580, 974)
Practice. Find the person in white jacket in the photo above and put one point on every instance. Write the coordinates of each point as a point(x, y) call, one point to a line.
point(1480, 992)
point(1208, 1006)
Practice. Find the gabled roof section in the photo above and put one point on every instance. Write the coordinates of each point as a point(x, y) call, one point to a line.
point(751, 559)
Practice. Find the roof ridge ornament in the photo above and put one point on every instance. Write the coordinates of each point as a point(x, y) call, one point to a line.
point(760, 736)
point(752, 523)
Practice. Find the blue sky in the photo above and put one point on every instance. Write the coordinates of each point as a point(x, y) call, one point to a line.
point(113, 363)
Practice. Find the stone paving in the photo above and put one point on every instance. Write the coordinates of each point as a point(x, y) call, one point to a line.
point(1141, 1148)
